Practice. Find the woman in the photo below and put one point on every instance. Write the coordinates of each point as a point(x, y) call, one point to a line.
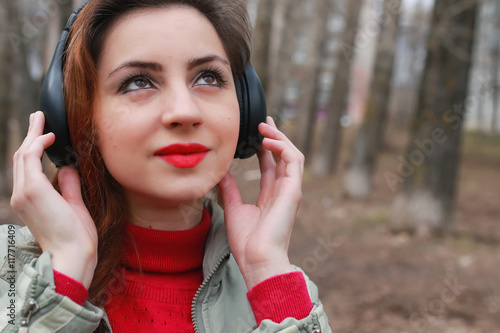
point(128, 241)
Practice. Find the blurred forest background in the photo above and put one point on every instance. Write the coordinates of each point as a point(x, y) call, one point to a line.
point(396, 106)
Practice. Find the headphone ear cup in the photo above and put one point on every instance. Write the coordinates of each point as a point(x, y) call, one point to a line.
point(52, 104)
point(252, 101)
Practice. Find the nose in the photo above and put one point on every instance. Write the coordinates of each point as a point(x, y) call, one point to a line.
point(181, 109)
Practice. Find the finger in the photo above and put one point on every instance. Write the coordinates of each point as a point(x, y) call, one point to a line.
point(32, 156)
point(71, 191)
point(271, 132)
point(291, 161)
point(34, 138)
point(69, 184)
point(35, 181)
point(17, 173)
point(270, 121)
point(274, 147)
point(230, 193)
point(35, 129)
point(280, 165)
point(281, 149)
point(30, 120)
point(267, 167)
point(268, 132)
point(30, 182)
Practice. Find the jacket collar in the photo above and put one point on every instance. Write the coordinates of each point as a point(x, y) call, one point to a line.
point(216, 245)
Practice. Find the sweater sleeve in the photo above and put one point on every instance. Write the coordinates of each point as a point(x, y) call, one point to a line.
point(71, 288)
point(280, 297)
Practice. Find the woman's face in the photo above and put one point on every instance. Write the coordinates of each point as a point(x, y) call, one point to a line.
point(166, 110)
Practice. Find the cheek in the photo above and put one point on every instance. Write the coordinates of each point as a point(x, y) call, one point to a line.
point(234, 119)
point(111, 121)
point(230, 130)
point(105, 129)
point(108, 128)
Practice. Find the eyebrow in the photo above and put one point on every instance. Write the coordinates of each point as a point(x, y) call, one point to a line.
point(154, 66)
point(206, 59)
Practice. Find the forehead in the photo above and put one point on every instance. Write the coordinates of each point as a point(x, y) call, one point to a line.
point(169, 33)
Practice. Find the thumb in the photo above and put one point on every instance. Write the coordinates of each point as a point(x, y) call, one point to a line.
point(230, 193)
point(69, 184)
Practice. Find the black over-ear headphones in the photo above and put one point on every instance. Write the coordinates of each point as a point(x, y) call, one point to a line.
point(248, 88)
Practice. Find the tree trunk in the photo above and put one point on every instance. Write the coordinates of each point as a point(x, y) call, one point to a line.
point(495, 128)
point(282, 45)
point(359, 175)
point(275, 43)
point(409, 65)
point(77, 3)
point(326, 161)
point(261, 44)
point(52, 33)
point(429, 169)
point(312, 71)
point(5, 74)
point(24, 96)
point(25, 35)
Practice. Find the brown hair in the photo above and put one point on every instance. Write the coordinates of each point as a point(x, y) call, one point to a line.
point(102, 195)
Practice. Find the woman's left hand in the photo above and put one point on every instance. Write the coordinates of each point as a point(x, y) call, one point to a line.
point(259, 234)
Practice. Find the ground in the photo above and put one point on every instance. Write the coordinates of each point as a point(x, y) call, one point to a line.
point(371, 279)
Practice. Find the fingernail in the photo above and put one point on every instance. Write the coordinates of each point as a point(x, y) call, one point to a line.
point(31, 119)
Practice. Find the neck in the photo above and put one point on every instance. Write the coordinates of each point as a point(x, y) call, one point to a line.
point(181, 216)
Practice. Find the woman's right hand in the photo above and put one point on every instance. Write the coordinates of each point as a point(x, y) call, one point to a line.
point(60, 223)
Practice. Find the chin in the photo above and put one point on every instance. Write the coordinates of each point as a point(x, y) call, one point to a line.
point(174, 188)
point(184, 193)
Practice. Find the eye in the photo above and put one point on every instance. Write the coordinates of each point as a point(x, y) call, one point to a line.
point(207, 79)
point(137, 84)
point(211, 77)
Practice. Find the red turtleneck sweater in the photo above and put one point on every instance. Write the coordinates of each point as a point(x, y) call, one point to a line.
point(159, 297)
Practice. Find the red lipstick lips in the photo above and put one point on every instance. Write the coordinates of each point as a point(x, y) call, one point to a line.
point(183, 155)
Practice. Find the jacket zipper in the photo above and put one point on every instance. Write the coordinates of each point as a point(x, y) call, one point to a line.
point(200, 289)
point(30, 308)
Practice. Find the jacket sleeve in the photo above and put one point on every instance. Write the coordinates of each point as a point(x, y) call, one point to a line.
point(315, 322)
point(27, 291)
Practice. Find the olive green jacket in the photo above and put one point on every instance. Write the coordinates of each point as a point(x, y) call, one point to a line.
point(28, 300)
